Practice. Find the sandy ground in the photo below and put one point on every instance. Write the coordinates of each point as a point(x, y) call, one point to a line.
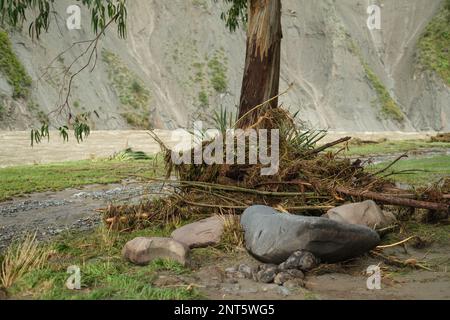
point(15, 148)
point(341, 283)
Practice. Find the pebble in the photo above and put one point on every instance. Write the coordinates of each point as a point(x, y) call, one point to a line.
point(284, 291)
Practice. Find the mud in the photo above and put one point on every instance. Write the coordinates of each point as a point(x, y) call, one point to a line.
point(347, 283)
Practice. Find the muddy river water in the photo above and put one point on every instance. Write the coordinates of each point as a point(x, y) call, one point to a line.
point(15, 147)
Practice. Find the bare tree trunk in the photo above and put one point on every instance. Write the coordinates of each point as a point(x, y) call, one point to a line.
point(262, 63)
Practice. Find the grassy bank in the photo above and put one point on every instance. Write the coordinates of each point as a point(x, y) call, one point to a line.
point(419, 172)
point(104, 274)
point(392, 147)
point(17, 181)
point(12, 69)
point(427, 170)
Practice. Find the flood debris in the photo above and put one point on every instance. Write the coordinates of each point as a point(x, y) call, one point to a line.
point(311, 180)
point(290, 205)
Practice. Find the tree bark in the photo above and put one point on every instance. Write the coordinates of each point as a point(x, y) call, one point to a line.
point(262, 63)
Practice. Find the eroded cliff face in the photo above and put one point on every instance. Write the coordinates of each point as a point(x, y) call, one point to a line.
point(179, 63)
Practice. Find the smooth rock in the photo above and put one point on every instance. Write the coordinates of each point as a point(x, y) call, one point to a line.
point(142, 251)
point(301, 260)
point(201, 234)
point(366, 213)
point(272, 237)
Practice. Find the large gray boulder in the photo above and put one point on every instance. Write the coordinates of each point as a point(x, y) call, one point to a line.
point(272, 237)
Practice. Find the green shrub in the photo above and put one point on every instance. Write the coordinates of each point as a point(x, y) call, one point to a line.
point(434, 45)
point(12, 69)
point(447, 7)
point(203, 99)
point(133, 95)
point(218, 73)
point(2, 111)
point(389, 107)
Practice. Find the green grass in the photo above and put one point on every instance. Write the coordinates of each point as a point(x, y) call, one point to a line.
point(104, 274)
point(21, 180)
point(2, 110)
point(434, 45)
point(12, 69)
point(134, 96)
point(389, 108)
point(390, 147)
point(431, 170)
point(203, 99)
point(218, 72)
point(434, 233)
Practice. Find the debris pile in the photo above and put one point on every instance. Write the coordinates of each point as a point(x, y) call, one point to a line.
point(311, 180)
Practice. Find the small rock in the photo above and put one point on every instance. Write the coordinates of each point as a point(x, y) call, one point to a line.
point(267, 275)
point(294, 283)
point(296, 274)
point(284, 291)
point(282, 277)
point(231, 270)
point(365, 213)
point(302, 260)
point(201, 234)
point(142, 251)
point(246, 271)
point(267, 266)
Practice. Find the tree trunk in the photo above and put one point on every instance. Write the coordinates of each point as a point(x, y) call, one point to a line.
point(262, 63)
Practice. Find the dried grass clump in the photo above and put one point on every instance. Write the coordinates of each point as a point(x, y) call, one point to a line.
point(233, 234)
point(22, 258)
point(441, 137)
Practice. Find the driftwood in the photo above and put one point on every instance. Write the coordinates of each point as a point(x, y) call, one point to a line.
point(327, 146)
point(404, 202)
